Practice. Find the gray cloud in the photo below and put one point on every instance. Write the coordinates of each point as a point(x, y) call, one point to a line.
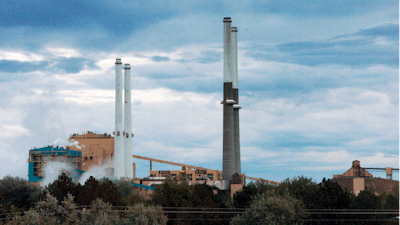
point(73, 64)
point(157, 58)
point(362, 51)
point(14, 66)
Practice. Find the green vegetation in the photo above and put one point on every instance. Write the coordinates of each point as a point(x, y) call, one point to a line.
point(175, 195)
point(16, 194)
point(299, 200)
point(273, 208)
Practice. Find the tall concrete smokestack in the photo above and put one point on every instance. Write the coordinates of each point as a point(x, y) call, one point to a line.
point(228, 157)
point(118, 141)
point(128, 125)
point(235, 92)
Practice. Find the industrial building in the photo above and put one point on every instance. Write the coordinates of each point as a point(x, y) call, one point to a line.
point(100, 149)
point(96, 149)
point(38, 157)
point(357, 179)
point(91, 149)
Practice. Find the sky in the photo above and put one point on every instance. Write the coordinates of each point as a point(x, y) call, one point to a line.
point(318, 81)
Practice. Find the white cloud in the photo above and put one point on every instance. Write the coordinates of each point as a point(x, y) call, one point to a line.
point(20, 56)
point(63, 52)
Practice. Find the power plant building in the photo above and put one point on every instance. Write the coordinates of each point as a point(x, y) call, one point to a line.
point(96, 149)
point(38, 158)
point(99, 149)
point(357, 179)
point(91, 149)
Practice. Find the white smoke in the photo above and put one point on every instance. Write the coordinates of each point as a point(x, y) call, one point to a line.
point(53, 168)
point(74, 143)
point(64, 142)
point(98, 172)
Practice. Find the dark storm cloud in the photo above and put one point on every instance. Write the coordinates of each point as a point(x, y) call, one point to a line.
point(357, 49)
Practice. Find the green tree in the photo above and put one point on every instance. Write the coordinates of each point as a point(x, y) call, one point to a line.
point(109, 192)
point(49, 211)
point(330, 195)
point(130, 194)
point(100, 213)
point(176, 194)
point(391, 202)
point(18, 192)
point(143, 215)
point(90, 191)
point(302, 188)
point(60, 187)
point(44, 212)
point(272, 208)
point(243, 198)
point(366, 200)
point(68, 212)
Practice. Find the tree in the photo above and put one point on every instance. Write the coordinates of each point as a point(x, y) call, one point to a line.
point(141, 214)
point(90, 191)
point(391, 202)
point(60, 187)
point(100, 213)
point(331, 196)
point(109, 193)
point(43, 213)
point(129, 194)
point(272, 208)
point(243, 198)
point(301, 188)
point(18, 192)
point(49, 211)
point(367, 200)
point(175, 193)
point(68, 213)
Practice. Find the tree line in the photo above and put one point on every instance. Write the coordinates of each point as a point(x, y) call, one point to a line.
point(299, 200)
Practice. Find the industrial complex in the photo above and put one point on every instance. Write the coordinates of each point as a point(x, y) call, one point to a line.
point(357, 179)
point(114, 151)
point(101, 149)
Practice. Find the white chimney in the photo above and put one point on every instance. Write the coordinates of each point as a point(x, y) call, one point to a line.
point(128, 125)
point(118, 141)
